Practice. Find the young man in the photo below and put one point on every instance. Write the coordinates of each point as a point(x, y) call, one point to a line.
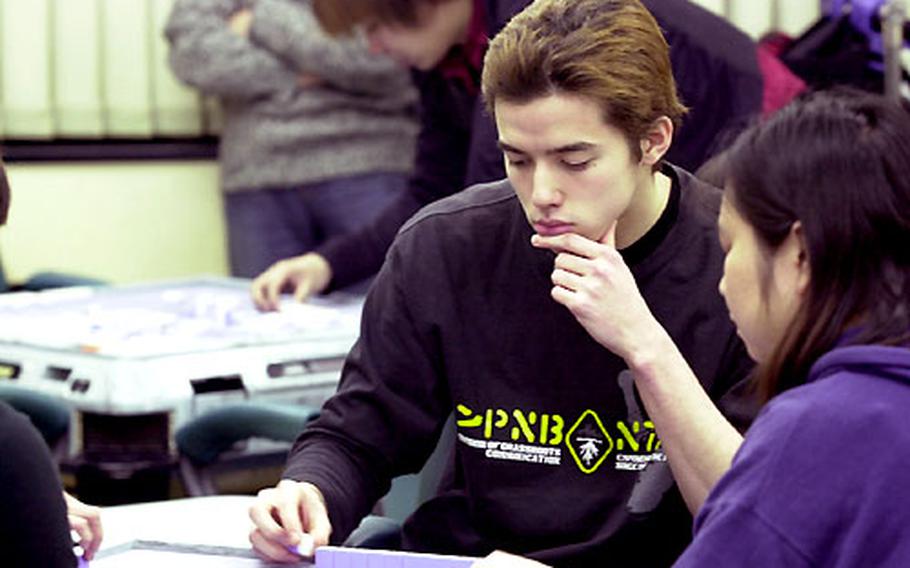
point(714, 63)
point(556, 456)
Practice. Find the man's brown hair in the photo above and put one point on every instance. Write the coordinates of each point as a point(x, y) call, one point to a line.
point(609, 51)
point(340, 17)
point(4, 194)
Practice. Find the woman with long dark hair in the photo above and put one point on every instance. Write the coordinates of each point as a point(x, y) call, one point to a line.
point(815, 224)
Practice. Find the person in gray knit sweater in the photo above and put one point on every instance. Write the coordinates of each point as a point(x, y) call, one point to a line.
point(318, 133)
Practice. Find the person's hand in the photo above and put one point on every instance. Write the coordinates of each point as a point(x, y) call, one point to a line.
point(85, 520)
point(592, 280)
point(291, 515)
point(241, 21)
point(303, 275)
point(500, 559)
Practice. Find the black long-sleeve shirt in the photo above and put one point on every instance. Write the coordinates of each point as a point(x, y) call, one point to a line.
point(718, 78)
point(555, 455)
point(34, 530)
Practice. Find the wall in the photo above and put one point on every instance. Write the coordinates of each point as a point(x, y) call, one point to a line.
point(122, 222)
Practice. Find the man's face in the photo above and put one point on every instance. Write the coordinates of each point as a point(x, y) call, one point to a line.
point(573, 173)
point(439, 27)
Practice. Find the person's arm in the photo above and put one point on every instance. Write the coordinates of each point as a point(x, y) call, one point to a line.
point(441, 165)
point(356, 255)
point(207, 54)
point(384, 421)
point(592, 280)
point(698, 439)
point(439, 171)
point(342, 261)
point(33, 521)
point(390, 386)
point(290, 30)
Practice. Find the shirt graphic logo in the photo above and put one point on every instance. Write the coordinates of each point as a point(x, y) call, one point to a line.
point(588, 442)
point(532, 436)
point(520, 426)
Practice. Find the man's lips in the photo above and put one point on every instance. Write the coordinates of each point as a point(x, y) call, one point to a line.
point(552, 228)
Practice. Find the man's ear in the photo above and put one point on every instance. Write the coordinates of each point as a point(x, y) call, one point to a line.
point(657, 140)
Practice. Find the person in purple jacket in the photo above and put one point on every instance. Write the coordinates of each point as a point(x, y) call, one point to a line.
point(815, 223)
point(816, 226)
point(715, 66)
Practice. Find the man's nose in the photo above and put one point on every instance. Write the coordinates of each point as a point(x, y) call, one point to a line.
point(546, 192)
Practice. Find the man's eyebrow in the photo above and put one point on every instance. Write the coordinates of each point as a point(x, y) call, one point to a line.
point(506, 147)
point(568, 148)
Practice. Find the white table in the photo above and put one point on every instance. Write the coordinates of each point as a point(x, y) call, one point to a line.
point(187, 526)
point(136, 362)
point(218, 521)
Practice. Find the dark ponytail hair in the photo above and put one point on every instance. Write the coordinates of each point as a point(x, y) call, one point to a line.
point(839, 163)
